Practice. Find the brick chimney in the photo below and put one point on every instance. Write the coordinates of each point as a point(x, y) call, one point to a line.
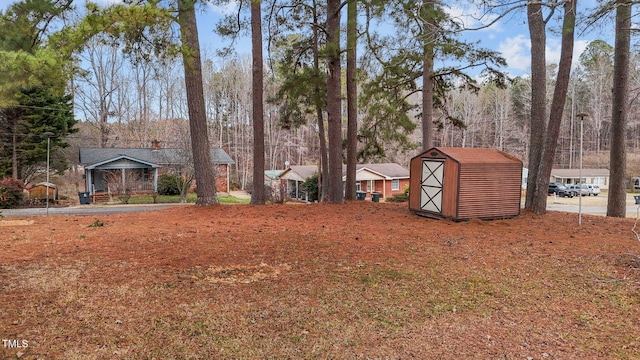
point(155, 144)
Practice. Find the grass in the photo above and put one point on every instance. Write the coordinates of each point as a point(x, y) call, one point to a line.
point(191, 198)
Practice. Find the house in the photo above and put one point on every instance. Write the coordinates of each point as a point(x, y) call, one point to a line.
point(589, 176)
point(385, 179)
point(294, 176)
point(105, 168)
point(465, 183)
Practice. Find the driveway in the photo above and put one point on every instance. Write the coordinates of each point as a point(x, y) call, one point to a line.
point(592, 205)
point(85, 209)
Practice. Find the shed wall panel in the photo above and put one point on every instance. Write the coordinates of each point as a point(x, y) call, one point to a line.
point(489, 190)
point(450, 188)
point(415, 169)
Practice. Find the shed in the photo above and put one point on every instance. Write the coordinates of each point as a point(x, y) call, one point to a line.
point(39, 192)
point(465, 183)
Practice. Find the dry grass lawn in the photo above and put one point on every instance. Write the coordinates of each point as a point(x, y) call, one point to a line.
point(356, 281)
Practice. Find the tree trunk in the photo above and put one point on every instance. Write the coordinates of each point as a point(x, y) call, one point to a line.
point(352, 108)
point(334, 99)
point(258, 195)
point(427, 76)
point(538, 36)
point(14, 153)
point(323, 181)
point(539, 203)
point(616, 205)
point(204, 172)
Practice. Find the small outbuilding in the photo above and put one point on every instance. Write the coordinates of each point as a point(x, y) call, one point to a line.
point(465, 183)
point(38, 193)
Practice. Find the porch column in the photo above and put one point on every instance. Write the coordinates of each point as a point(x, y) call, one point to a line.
point(228, 181)
point(87, 181)
point(155, 180)
point(124, 180)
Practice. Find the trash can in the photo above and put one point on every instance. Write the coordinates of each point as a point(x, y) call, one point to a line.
point(361, 195)
point(84, 198)
point(375, 197)
point(637, 197)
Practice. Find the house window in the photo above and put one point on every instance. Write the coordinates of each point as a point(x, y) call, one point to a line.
point(599, 180)
point(145, 174)
point(395, 184)
point(358, 186)
point(371, 186)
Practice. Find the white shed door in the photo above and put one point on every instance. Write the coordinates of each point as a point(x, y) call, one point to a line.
point(431, 185)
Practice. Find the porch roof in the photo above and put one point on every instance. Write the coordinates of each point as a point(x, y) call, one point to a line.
point(90, 157)
point(120, 158)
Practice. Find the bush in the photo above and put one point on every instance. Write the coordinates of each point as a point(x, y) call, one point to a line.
point(170, 184)
point(398, 198)
point(311, 187)
point(11, 193)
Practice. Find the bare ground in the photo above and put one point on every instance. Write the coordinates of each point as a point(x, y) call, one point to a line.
point(360, 280)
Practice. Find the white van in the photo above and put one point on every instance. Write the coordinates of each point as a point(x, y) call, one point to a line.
point(581, 189)
point(593, 189)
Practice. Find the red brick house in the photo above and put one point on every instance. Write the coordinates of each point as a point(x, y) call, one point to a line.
point(386, 179)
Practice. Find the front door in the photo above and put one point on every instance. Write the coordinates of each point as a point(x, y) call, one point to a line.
point(431, 185)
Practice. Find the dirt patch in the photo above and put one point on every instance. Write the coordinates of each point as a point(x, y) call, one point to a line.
point(5, 222)
point(360, 280)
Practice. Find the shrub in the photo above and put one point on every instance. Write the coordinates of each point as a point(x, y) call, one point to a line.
point(311, 187)
point(170, 184)
point(398, 198)
point(10, 193)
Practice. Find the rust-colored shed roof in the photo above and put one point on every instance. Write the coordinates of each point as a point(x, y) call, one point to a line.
point(478, 155)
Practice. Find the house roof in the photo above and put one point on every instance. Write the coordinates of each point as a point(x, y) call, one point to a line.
point(121, 157)
point(383, 171)
point(387, 170)
point(95, 156)
point(475, 155)
point(575, 173)
point(299, 172)
point(272, 174)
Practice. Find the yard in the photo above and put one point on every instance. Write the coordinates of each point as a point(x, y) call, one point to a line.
point(361, 280)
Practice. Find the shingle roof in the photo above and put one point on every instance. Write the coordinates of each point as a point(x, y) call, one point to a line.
point(389, 170)
point(299, 172)
point(574, 173)
point(91, 156)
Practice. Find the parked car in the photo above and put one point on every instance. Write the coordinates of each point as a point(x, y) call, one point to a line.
point(593, 189)
point(580, 189)
point(560, 190)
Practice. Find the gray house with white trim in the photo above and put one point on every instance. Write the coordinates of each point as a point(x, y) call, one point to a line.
point(144, 165)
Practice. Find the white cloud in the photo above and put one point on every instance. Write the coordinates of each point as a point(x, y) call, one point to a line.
point(226, 9)
point(516, 50)
point(553, 50)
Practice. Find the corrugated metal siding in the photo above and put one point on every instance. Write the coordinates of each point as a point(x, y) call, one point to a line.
point(415, 167)
point(489, 190)
point(450, 184)
point(478, 183)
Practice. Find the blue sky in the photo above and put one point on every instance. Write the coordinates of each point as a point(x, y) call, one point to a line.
point(509, 36)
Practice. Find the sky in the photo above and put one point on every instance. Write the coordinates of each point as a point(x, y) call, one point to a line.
point(508, 35)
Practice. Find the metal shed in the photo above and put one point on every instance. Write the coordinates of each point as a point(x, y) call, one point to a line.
point(465, 183)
